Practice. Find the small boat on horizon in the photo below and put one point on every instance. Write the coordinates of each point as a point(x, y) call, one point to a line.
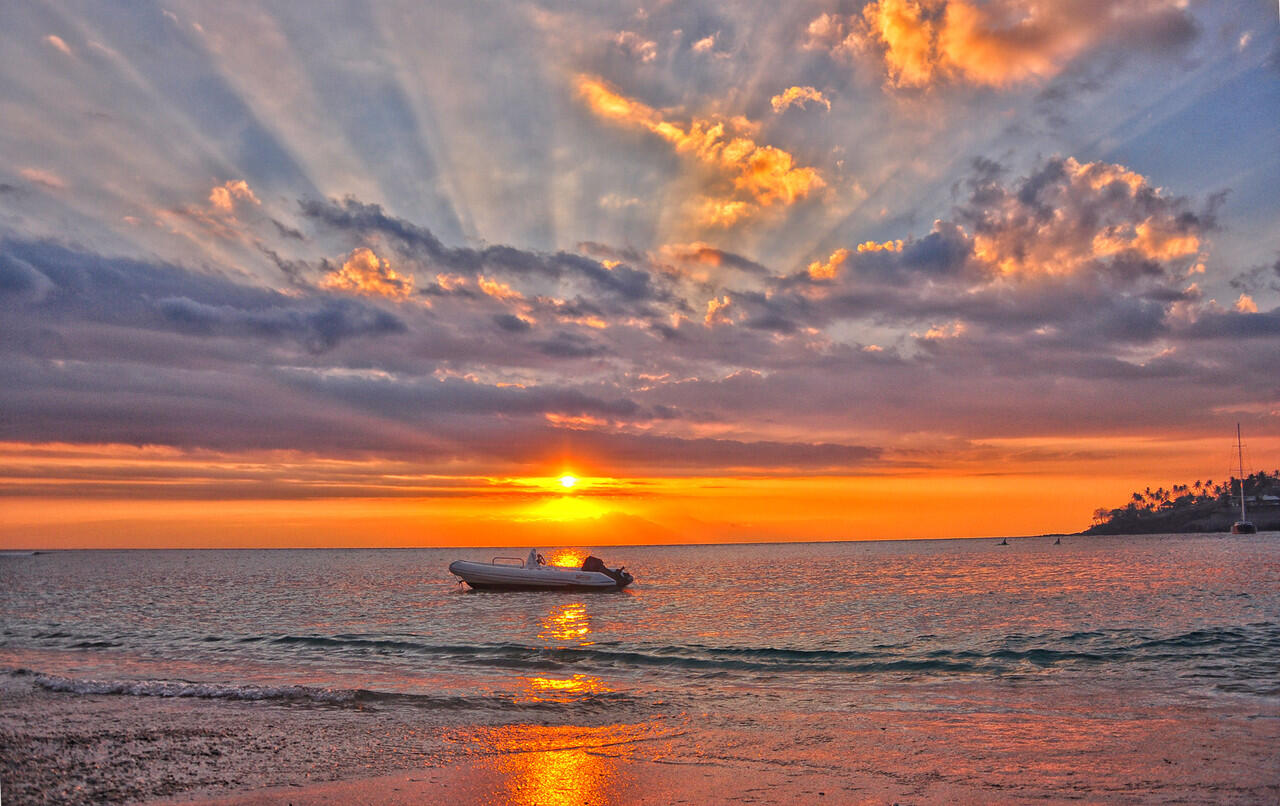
point(1003, 542)
point(532, 573)
point(1244, 526)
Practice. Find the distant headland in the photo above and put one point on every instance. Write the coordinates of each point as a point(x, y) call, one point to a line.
point(1203, 506)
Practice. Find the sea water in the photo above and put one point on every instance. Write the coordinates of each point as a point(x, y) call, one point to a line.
point(1117, 668)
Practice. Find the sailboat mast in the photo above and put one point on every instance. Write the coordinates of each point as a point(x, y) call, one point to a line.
point(1240, 455)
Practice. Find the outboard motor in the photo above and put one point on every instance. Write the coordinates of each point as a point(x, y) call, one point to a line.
point(620, 575)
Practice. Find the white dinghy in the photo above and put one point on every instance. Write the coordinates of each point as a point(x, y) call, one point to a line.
point(531, 573)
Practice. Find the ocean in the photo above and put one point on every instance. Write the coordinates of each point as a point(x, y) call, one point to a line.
point(1105, 669)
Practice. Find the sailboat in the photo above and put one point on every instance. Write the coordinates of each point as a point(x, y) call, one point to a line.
point(1243, 526)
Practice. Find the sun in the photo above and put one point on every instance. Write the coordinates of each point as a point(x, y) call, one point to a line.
point(568, 482)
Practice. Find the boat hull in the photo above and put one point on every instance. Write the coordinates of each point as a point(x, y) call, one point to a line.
point(1243, 528)
point(490, 576)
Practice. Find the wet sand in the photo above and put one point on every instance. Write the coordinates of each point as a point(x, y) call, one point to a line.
point(631, 781)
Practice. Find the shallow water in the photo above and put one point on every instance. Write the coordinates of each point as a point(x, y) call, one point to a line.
point(998, 668)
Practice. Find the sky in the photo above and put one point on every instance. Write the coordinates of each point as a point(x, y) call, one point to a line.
point(351, 274)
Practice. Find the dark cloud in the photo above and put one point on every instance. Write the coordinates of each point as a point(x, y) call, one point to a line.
point(943, 251)
point(74, 286)
point(286, 231)
point(320, 328)
point(570, 345)
point(20, 279)
point(511, 324)
point(364, 220)
point(1235, 325)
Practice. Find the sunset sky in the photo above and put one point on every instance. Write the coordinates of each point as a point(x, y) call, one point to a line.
point(381, 273)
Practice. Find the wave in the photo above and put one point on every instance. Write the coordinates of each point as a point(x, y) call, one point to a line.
point(1259, 641)
point(1251, 649)
point(300, 694)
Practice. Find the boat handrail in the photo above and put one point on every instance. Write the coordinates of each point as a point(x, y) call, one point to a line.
point(494, 561)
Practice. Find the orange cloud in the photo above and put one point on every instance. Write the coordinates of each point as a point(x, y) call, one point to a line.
point(498, 289)
point(450, 281)
point(1102, 210)
point(761, 175)
point(886, 246)
point(57, 42)
point(908, 37)
point(798, 96)
point(943, 332)
point(828, 270)
point(717, 311)
point(722, 213)
point(995, 44)
point(224, 196)
point(1149, 238)
point(365, 273)
point(1245, 304)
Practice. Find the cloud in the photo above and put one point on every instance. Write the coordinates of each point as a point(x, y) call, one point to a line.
point(498, 289)
point(365, 273)
point(996, 44)
point(952, 330)
point(885, 246)
point(1070, 216)
point(512, 323)
point(1245, 304)
point(20, 280)
point(223, 197)
point(759, 175)
point(66, 288)
point(636, 46)
point(798, 96)
point(41, 176)
point(363, 221)
point(56, 42)
point(318, 328)
point(1073, 255)
point(718, 311)
point(827, 271)
point(564, 344)
point(703, 254)
point(704, 45)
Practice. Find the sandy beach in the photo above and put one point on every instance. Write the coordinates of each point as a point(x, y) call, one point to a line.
point(992, 744)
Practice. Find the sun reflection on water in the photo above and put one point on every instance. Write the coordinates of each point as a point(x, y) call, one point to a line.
point(565, 689)
point(567, 623)
point(562, 765)
point(565, 626)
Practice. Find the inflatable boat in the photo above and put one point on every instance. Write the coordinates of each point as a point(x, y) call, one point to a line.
point(513, 573)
